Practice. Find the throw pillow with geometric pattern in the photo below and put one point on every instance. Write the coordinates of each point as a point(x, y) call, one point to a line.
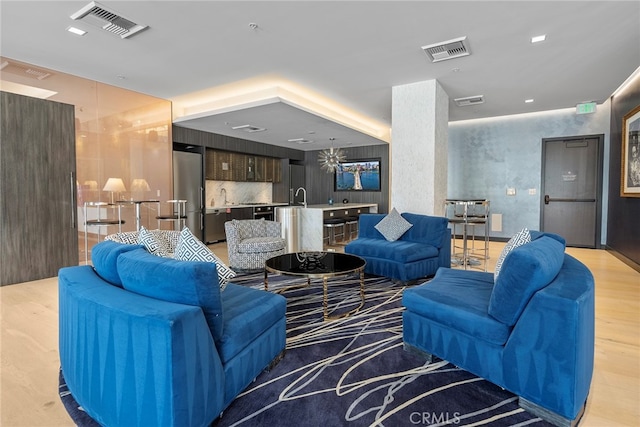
point(190, 248)
point(393, 226)
point(153, 245)
point(520, 238)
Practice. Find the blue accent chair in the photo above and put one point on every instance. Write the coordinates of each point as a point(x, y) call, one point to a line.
point(150, 341)
point(419, 253)
point(531, 332)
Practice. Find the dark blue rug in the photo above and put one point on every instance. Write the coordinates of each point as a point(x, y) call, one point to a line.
point(354, 371)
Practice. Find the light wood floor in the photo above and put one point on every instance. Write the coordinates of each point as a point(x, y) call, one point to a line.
point(29, 347)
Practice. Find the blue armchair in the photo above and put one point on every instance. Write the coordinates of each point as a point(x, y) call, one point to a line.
point(530, 331)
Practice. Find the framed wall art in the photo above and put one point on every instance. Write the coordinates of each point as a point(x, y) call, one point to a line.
point(630, 170)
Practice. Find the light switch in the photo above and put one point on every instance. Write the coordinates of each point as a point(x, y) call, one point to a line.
point(511, 191)
point(532, 191)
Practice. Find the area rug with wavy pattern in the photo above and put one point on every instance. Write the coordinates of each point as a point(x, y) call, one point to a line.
point(354, 371)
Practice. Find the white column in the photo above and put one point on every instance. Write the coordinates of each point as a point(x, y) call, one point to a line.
point(419, 139)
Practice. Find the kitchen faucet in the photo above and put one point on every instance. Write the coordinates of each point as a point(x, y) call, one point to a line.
point(304, 196)
point(225, 194)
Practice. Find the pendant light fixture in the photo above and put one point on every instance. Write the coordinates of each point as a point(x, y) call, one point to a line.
point(331, 158)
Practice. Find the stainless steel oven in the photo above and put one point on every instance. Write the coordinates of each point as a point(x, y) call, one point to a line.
point(265, 212)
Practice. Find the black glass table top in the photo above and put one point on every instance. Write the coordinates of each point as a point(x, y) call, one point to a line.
point(315, 264)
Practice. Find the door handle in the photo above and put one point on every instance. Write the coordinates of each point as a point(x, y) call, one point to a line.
point(73, 201)
point(547, 199)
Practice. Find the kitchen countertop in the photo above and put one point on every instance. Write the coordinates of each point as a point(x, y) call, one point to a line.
point(338, 206)
point(210, 209)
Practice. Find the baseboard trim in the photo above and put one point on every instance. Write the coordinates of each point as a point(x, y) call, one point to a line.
point(623, 258)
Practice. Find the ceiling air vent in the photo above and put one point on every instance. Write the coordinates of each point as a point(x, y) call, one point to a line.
point(469, 100)
point(24, 71)
point(301, 140)
point(248, 128)
point(99, 16)
point(447, 50)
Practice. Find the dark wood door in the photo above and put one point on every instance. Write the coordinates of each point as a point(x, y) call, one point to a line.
point(572, 189)
point(38, 188)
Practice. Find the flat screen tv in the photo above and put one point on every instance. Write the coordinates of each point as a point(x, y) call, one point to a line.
point(358, 175)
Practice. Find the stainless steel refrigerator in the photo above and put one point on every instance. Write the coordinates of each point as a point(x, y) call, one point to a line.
point(188, 185)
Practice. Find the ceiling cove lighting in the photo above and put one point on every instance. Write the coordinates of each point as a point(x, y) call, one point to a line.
point(76, 31)
point(538, 39)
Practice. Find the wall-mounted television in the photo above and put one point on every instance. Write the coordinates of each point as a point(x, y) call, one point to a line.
point(358, 175)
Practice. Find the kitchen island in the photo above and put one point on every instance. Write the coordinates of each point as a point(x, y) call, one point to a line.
point(303, 228)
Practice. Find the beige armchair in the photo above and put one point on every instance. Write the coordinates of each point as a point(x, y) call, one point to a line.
point(253, 241)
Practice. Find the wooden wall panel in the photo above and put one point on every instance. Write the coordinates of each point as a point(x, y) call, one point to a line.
point(320, 183)
point(623, 232)
point(38, 225)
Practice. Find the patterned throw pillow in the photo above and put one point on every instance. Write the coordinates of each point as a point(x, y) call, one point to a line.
point(190, 248)
point(393, 226)
point(520, 238)
point(152, 244)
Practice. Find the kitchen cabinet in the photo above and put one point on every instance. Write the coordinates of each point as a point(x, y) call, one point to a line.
point(272, 170)
point(214, 226)
point(229, 166)
point(239, 167)
point(240, 213)
point(218, 165)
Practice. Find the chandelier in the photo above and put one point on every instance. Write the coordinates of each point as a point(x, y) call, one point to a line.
point(330, 159)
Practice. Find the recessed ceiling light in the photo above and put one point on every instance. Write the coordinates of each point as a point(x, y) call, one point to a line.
point(528, 101)
point(538, 39)
point(76, 31)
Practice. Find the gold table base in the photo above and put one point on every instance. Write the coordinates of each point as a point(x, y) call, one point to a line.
point(325, 293)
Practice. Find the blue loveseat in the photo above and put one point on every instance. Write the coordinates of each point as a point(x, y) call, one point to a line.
point(531, 332)
point(419, 253)
point(146, 340)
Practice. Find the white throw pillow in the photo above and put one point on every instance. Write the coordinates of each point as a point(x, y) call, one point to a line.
point(190, 248)
point(393, 226)
point(520, 238)
point(153, 245)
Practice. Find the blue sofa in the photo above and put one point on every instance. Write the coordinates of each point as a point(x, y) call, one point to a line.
point(531, 332)
point(146, 340)
point(419, 253)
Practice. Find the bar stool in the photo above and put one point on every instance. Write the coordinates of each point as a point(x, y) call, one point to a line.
point(178, 214)
point(478, 217)
point(99, 221)
point(331, 225)
point(468, 214)
point(351, 223)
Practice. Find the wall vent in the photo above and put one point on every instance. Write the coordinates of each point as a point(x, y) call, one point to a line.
point(24, 71)
point(450, 49)
point(469, 100)
point(99, 16)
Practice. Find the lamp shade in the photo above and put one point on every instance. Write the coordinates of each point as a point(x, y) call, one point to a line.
point(140, 184)
point(114, 184)
point(91, 184)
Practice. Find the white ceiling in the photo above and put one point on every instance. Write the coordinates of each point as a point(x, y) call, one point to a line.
point(351, 53)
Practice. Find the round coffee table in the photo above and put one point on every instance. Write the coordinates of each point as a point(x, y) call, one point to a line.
point(317, 265)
